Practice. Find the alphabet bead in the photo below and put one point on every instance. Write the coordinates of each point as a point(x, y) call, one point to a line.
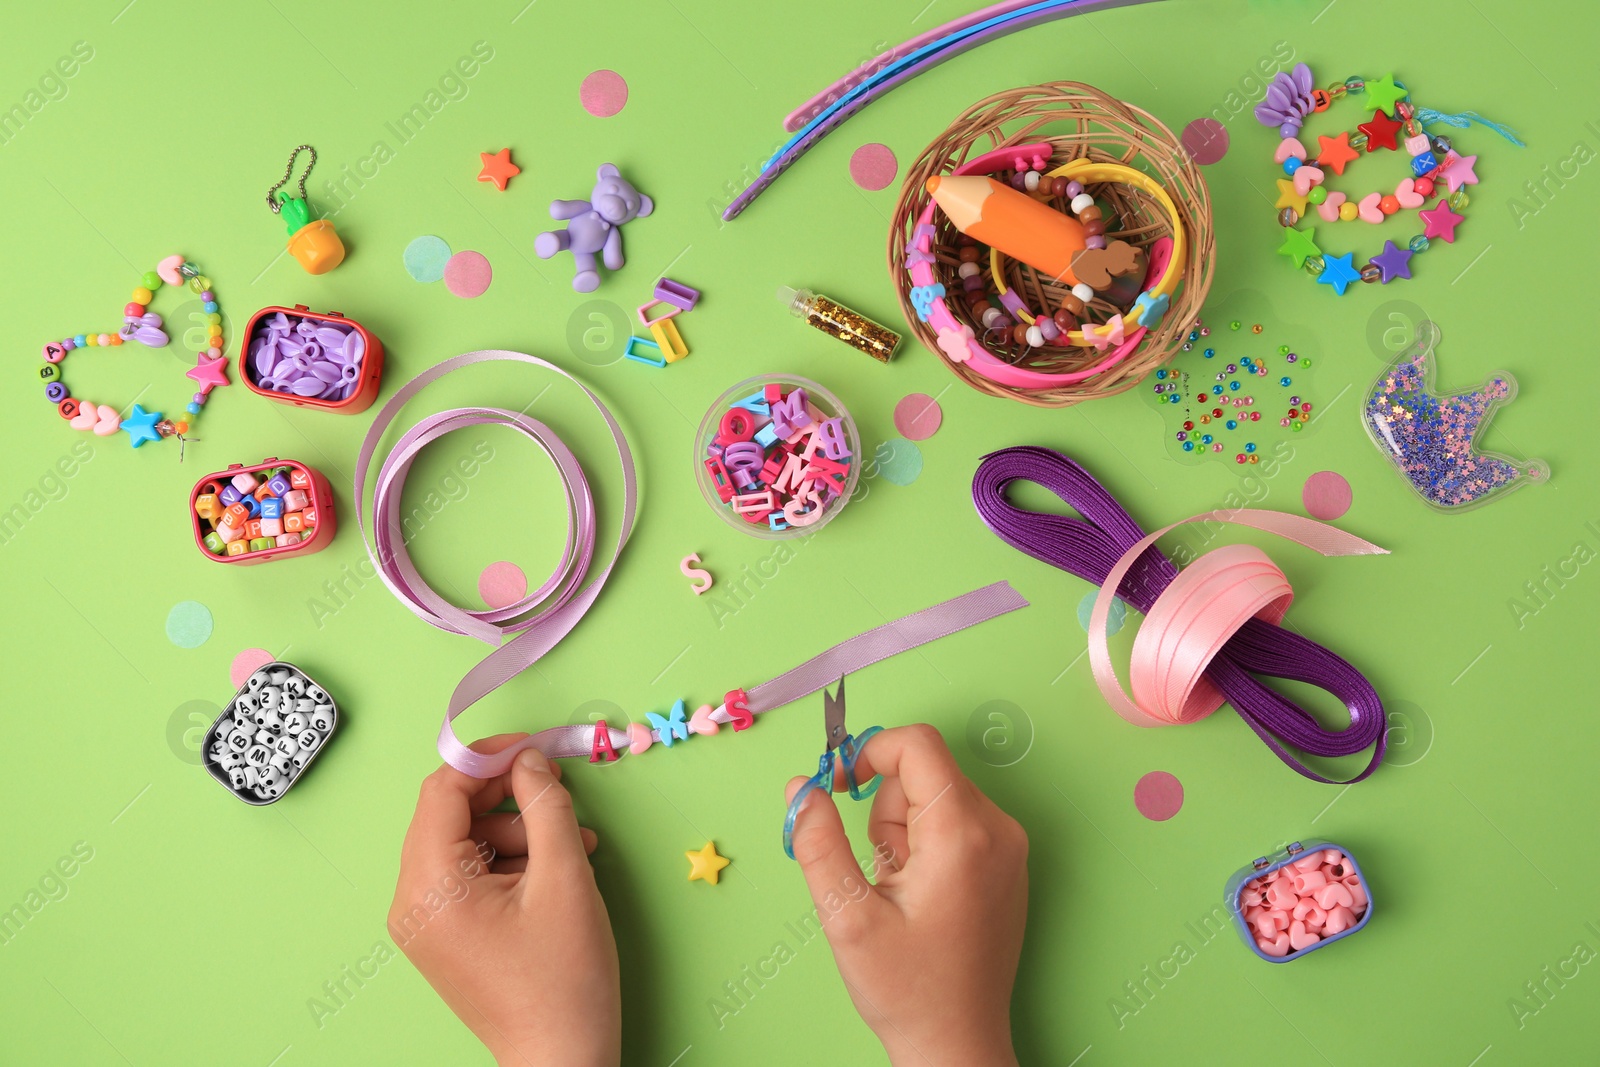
point(322, 718)
point(269, 733)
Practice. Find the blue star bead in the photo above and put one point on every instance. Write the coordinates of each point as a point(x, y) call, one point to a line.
point(1150, 310)
point(673, 727)
point(1338, 272)
point(1394, 262)
point(141, 426)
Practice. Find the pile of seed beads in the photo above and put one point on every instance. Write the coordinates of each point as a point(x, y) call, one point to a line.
point(1222, 405)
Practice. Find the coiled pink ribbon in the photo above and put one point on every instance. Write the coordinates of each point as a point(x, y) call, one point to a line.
point(521, 633)
point(1196, 615)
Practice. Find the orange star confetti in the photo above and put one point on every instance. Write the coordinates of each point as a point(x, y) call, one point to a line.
point(498, 168)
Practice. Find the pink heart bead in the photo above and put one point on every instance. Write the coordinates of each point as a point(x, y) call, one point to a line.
point(1289, 146)
point(1332, 855)
point(1368, 211)
point(1315, 918)
point(1278, 946)
point(168, 270)
point(88, 414)
point(639, 738)
point(108, 423)
point(1339, 920)
point(1407, 195)
point(1334, 894)
point(1305, 178)
point(1358, 896)
point(1329, 210)
point(1280, 918)
point(1309, 881)
point(700, 722)
point(1280, 894)
point(1300, 938)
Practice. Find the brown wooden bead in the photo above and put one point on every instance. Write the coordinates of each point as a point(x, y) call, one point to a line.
point(1072, 305)
point(1019, 333)
point(969, 254)
point(1090, 214)
point(1065, 321)
point(1058, 187)
point(963, 240)
point(1094, 228)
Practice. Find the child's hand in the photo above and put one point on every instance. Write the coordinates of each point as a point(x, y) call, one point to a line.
point(500, 912)
point(929, 954)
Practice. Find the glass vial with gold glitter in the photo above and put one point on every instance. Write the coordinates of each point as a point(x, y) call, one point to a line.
point(836, 320)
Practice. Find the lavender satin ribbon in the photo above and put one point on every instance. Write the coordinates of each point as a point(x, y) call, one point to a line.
point(521, 633)
point(1091, 546)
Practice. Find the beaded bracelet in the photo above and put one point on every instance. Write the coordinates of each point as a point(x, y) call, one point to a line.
point(957, 339)
point(1290, 98)
point(144, 326)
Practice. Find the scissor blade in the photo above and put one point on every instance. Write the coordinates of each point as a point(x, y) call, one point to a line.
point(833, 716)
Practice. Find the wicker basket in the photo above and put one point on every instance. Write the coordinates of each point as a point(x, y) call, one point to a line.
point(1076, 120)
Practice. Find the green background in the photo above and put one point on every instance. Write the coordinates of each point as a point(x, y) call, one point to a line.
point(201, 927)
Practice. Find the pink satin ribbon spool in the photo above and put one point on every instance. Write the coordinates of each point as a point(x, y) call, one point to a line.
point(1194, 616)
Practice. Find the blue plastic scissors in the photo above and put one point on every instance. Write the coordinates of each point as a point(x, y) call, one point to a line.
point(849, 750)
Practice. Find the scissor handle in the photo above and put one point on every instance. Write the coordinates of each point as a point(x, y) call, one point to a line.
point(823, 779)
point(849, 752)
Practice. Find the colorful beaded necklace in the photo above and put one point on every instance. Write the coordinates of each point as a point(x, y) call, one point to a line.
point(1290, 98)
point(145, 326)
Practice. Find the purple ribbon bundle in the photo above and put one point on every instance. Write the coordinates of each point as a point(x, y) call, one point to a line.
point(1092, 545)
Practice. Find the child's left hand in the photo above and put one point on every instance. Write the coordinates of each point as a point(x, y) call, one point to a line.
point(501, 914)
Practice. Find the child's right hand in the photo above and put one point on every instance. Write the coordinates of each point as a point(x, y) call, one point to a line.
point(929, 954)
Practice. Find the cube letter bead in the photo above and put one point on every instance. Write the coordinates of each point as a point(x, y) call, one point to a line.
point(229, 496)
point(229, 533)
point(287, 539)
point(261, 544)
point(207, 506)
point(238, 546)
point(272, 508)
point(310, 515)
point(298, 479)
point(295, 499)
point(251, 505)
point(252, 529)
point(280, 485)
point(214, 543)
point(322, 718)
point(245, 482)
point(294, 522)
point(270, 527)
point(235, 515)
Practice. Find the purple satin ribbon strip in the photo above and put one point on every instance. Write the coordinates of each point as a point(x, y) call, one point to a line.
point(1091, 546)
point(521, 633)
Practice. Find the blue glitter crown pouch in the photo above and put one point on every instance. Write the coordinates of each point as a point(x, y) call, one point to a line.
point(1431, 438)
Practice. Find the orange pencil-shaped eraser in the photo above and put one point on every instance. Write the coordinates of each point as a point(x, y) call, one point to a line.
point(1015, 223)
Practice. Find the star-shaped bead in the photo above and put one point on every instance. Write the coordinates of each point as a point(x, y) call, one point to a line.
point(1440, 222)
point(1382, 132)
point(1383, 94)
point(1335, 152)
point(1394, 262)
point(704, 863)
point(1338, 272)
point(498, 168)
point(1298, 245)
point(141, 426)
point(672, 728)
point(1458, 171)
point(1287, 197)
point(208, 373)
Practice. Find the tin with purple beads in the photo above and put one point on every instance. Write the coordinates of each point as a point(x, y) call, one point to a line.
point(311, 359)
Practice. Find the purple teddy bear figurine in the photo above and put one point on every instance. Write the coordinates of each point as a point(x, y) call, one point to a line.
point(594, 225)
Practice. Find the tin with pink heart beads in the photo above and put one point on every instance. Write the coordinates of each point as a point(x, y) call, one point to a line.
point(1289, 907)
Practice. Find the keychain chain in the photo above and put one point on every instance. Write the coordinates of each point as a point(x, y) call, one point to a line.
point(288, 170)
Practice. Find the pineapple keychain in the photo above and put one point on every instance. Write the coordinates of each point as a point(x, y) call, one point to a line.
point(313, 242)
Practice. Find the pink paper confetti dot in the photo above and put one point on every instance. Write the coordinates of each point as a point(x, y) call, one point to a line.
point(1158, 796)
point(468, 274)
point(502, 584)
point(1206, 140)
point(246, 663)
point(1326, 495)
point(873, 166)
point(917, 416)
point(603, 93)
